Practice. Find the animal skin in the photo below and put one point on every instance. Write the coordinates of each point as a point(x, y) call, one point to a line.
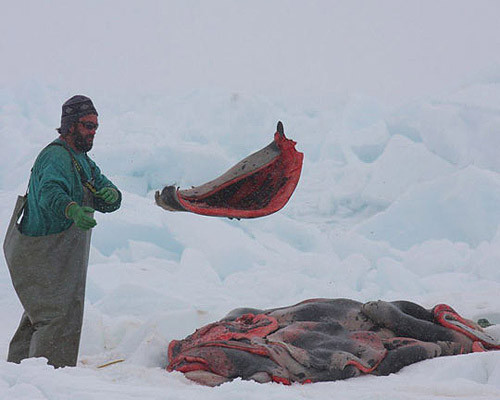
point(323, 340)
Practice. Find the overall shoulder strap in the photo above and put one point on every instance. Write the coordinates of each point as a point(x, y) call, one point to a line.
point(78, 167)
point(91, 165)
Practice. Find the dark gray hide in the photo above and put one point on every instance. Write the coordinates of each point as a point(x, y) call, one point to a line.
point(316, 340)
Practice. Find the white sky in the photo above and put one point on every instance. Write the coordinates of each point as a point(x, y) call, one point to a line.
point(392, 50)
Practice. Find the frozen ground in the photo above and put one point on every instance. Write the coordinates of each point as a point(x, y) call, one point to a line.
point(398, 201)
point(384, 210)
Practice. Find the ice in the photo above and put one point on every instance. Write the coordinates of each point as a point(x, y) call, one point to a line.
point(487, 258)
point(397, 116)
point(437, 256)
point(376, 215)
point(368, 143)
point(459, 128)
point(402, 165)
point(462, 207)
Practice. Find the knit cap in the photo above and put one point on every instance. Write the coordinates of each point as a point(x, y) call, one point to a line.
point(73, 109)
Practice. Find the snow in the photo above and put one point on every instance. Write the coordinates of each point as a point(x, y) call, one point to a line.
point(397, 114)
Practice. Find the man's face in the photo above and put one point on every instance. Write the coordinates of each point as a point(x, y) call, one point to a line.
point(84, 132)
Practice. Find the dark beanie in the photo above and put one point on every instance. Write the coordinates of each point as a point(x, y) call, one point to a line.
point(73, 109)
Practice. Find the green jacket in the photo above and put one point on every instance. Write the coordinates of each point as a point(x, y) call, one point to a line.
point(54, 183)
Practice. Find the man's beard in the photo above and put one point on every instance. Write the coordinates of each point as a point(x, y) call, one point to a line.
point(82, 143)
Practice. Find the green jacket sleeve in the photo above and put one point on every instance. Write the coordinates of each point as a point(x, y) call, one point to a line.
point(101, 181)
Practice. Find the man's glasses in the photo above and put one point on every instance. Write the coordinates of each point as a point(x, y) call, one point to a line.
point(90, 126)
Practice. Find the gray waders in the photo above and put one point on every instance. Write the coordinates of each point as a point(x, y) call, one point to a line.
point(48, 274)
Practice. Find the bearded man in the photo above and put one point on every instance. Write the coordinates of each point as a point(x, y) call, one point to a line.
point(48, 252)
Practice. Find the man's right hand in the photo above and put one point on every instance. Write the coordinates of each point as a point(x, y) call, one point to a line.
point(81, 217)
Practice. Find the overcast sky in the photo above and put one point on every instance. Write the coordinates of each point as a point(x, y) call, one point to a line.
point(393, 50)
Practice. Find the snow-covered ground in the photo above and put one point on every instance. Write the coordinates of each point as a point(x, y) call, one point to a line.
point(398, 199)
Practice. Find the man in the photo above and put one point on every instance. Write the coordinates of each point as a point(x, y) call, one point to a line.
point(47, 254)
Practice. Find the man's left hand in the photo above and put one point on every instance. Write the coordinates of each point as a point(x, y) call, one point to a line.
point(108, 194)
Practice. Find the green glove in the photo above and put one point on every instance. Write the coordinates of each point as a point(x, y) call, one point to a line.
point(80, 216)
point(108, 194)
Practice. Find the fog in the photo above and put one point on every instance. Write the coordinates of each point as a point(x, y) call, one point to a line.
point(395, 51)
